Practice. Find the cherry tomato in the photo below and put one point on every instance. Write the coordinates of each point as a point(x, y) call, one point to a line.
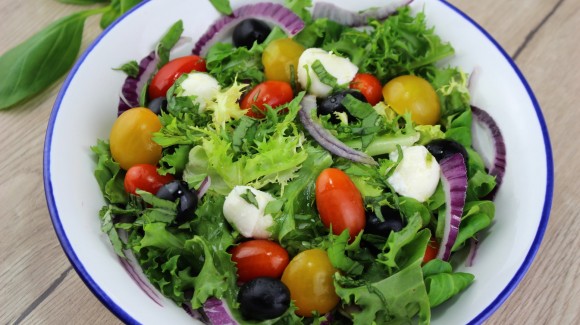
point(280, 57)
point(431, 251)
point(309, 279)
point(273, 93)
point(130, 138)
point(415, 95)
point(369, 86)
point(166, 76)
point(259, 258)
point(339, 202)
point(145, 177)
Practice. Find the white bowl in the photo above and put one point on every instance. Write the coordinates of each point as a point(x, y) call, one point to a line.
point(87, 107)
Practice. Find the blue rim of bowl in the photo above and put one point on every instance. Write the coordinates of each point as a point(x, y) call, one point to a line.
point(125, 317)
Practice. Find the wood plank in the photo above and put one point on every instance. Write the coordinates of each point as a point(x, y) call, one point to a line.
point(71, 303)
point(32, 260)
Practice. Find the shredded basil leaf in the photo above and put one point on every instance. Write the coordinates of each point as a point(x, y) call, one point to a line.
point(325, 77)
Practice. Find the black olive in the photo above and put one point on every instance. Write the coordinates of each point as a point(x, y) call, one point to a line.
point(158, 105)
point(249, 31)
point(375, 226)
point(333, 103)
point(179, 190)
point(443, 148)
point(263, 298)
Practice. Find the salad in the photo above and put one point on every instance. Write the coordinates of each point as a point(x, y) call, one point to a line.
point(305, 164)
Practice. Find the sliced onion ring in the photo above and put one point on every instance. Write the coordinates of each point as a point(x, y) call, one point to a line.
point(497, 165)
point(133, 86)
point(269, 12)
point(356, 19)
point(454, 181)
point(217, 312)
point(325, 138)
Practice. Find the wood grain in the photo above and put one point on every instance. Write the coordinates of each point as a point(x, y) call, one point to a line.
point(38, 285)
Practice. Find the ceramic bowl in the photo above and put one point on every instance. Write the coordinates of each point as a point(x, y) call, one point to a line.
point(86, 108)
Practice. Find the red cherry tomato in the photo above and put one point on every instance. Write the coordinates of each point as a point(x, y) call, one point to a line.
point(166, 76)
point(259, 258)
point(431, 251)
point(369, 86)
point(273, 93)
point(339, 202)
point(146, 178)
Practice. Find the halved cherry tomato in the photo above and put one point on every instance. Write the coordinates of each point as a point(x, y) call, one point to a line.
point(309, 279)
point(145, 177)
point(131, 138)
point(415, 95)
point(272, 93)
point(369, 86)
point(431, 251)
point(166, 76)
point(339, 202)
point(259, 258)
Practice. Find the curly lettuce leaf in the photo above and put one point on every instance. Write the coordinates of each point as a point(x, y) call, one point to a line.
point(109, 174)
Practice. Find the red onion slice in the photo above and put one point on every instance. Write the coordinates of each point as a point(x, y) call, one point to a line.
point(473, 245)
point(270, 12)
point(454, 181)
point(353, 18)
point(133, 86)
point(218, 312)
point(203, 187)
point(497, 164)
point(325, 138)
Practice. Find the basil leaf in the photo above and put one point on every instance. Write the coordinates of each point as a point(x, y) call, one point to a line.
point(130, 68)
point(82, 2)
point(115, 10)
point(168, 41)
point(250, 198)
point(325, 77)
point(223, 6)
point(35, 64)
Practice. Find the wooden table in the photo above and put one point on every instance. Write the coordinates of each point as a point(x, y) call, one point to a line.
point(39, 286)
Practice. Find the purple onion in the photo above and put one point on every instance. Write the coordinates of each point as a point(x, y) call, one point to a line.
point(498, 166)
point(325, 138)
point(473, 245)
point(217, 312)
point(269, 12)
point(454, 181)
point(356, 18)
point(203, 187)
point(133, 86)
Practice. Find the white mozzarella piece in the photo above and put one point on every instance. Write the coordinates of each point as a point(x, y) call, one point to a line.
point(417, 175)
point(244, 216)
point(340, 68)
point(199, 84)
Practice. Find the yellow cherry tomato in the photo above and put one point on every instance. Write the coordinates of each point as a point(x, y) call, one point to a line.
point(130, 138)
point(279, 57)
point(308, 276)
point(415, 95)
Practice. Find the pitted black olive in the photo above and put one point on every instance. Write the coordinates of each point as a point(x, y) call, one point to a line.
point(333, 103)
point(375, 226)
point(263, 298)
point(249, 31)
point(443, 148)
point(158, 105)
point(187, 198)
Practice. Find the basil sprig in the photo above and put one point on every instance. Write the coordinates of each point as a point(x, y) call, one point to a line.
point(35, 64)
